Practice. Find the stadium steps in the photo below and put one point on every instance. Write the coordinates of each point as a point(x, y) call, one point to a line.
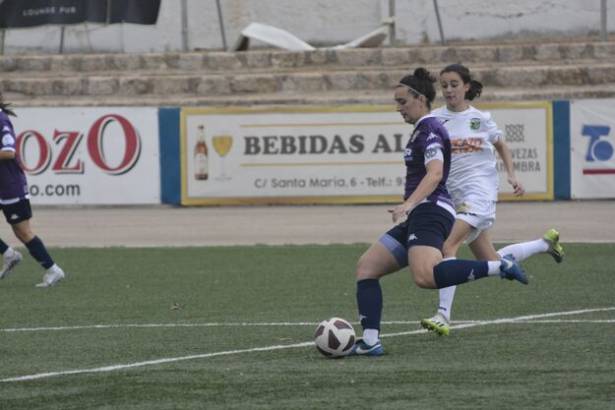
point(508, 71)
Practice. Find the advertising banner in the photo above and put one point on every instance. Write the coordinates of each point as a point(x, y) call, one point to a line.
point(30, 13)
point(94, 156)
point(528, 132)
point(351, 154)
point(592, 142)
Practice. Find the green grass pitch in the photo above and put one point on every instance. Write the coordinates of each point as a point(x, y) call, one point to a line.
point(230, 327)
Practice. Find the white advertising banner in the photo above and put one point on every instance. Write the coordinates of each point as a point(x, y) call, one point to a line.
point(94, 156)
point(592, 138)
point(350, 154)
point(528, 133)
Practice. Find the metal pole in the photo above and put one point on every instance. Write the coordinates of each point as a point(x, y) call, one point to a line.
point(2, 41)
point(221, 20)
point(184, 13)
point(62, 29)
point(604, 31)
point(122, 37)
point(435, 4)
point(392, 39)
point(108, 12)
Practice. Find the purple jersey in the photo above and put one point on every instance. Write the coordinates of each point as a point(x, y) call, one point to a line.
point(13, 185)
point(428, 134)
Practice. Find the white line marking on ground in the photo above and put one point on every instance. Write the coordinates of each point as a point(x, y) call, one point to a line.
point(280, 347)
point(260, 324)
point(155, 325)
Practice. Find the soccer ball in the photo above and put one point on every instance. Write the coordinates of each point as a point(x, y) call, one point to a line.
point(334, 337)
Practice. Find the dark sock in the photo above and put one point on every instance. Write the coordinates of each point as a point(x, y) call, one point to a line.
point(37, 249)
point(369, 300)
point(3, 246)
point(458, 271)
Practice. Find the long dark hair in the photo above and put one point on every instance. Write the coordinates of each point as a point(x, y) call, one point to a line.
point(476, 88)
point(4, 107)
point(422, 82)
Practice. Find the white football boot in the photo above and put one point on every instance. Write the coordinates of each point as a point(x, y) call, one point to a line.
point(11, 258)
point(52, 276)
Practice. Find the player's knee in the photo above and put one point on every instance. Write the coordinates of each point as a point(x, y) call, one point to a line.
point(423, 277)
point(364, 269)
point(23, 233)
point(449, 249)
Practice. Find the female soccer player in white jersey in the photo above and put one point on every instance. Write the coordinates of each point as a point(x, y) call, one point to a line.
point(473, 183)
point(422, 221)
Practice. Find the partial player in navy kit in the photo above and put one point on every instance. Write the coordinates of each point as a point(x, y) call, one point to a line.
point(15, 204)
point(423, 220)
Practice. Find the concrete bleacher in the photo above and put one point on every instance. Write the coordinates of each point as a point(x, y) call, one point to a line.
point(509, 72)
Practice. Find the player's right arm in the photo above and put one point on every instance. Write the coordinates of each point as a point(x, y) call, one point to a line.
point(504, 153)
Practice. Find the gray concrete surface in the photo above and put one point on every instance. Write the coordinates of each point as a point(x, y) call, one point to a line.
point(521, 71)
point(577, 221)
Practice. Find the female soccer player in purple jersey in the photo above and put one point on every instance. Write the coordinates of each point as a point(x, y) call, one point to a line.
point(15, 204)
point(423, 221)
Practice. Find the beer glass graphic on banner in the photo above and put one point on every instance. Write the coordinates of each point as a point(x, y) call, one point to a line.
point(222, 145)
point(201, 161)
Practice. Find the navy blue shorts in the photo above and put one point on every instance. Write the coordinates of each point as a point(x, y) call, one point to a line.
point(17, 212)
point(428, 225)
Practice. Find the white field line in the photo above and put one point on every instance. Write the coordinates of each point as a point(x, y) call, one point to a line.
point(116, 367)
point(267, 324)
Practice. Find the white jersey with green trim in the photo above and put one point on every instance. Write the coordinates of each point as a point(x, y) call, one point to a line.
point(473, 176)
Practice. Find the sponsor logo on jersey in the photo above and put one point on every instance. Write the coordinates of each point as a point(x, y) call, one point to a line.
point(474, 123)
point(465, 145)
point(408, 154)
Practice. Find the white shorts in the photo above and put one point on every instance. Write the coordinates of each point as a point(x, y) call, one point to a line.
point(480, 215)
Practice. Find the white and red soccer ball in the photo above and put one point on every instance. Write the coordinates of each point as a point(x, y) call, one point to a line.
point(334, 337)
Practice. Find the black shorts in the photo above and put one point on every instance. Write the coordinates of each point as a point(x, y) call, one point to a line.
point(17, 212)
point(428, 225)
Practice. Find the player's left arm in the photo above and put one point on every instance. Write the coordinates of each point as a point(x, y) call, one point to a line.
point(7, 144)
point(434, 167)
point(511, 177)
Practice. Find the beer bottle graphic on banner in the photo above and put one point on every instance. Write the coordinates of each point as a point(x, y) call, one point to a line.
point(201, 160)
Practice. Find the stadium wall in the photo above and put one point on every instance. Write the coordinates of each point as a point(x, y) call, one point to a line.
point(320, 23)
point(303, 154)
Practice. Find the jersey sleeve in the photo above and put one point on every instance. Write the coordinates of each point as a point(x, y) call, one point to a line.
point(493, 132)
point(433, 148)
point(7, 140)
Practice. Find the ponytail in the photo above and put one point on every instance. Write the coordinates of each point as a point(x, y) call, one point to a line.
point(4, 107)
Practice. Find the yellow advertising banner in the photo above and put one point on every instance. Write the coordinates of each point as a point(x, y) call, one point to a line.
point(329, 155)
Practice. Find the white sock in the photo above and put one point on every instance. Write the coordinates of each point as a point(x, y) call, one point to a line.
point(370, 336)
point(446, 301)
point(524, 250)
point(494, 268)
point(9, 252)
